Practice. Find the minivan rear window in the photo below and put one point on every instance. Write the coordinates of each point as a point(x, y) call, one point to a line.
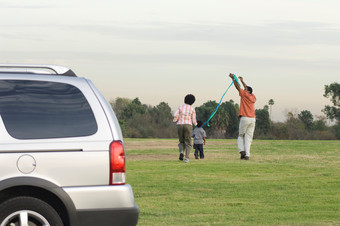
point(42, 110)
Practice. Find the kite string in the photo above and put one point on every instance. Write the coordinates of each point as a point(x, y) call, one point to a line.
point(212, 115)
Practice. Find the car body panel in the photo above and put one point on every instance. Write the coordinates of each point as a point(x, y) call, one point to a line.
point(74, 170)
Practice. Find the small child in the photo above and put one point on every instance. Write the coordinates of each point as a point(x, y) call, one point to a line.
point(199, 140)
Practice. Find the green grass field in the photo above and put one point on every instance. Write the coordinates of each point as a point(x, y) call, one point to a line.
point(283, 183)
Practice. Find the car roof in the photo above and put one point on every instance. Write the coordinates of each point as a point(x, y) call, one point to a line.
point(42, 69)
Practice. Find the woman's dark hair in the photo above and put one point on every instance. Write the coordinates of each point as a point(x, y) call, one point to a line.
point(250, 89)
point(199, 123)
point(189, 99)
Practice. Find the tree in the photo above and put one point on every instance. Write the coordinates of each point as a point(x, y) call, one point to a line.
point(119, 104)
point(133, 108)
point(231, 111)
point(270, 103)
point(223, 123)
point(295, 127)
point(203, 112)
point(139, 120)
point(161, 114)
point(262, 121)
point(333, 112)
point(307, 119)
point(333, 91)
point(320, 123)
point(132, 116)
point(161, 121)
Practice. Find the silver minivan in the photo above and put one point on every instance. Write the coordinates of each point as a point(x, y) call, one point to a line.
point(62, 158)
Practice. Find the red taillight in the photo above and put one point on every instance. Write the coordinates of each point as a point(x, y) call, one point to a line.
point(117, 163)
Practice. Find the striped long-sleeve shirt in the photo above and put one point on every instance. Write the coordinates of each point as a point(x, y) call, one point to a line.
point(185, 114)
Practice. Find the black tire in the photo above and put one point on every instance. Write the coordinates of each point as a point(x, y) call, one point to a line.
point(35, 211)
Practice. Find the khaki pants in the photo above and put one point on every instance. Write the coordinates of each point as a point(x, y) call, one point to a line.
point(184, 135)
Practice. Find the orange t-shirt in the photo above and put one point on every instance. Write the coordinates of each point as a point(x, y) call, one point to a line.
point(247, 108)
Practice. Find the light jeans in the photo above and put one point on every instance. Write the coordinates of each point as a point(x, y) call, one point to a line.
point(245, 134)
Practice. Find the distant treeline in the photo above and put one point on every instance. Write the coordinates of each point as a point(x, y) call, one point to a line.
point(139, 120)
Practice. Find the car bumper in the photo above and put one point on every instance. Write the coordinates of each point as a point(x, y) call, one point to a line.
point(104, 205)
point(109, 217)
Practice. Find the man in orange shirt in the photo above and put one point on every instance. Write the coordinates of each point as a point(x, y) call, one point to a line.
point(247, 118)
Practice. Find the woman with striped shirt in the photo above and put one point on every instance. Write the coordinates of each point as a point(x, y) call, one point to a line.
point(185, 116)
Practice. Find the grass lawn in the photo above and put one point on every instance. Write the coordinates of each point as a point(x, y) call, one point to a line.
point(283, 183)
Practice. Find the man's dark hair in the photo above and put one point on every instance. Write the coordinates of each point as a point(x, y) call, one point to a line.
point(250, 89)
point(189, 99)
point(199, 123)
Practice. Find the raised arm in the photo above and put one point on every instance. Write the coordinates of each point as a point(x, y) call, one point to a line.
point(235, 83)
point(243, 83)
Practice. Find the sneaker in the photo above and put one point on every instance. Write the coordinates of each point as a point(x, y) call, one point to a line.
point(181, 156)
point(196, 156)
point(243, 154)
point(246, 158)
point(186, 160)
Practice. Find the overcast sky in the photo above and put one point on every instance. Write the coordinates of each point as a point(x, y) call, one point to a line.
point(161, 50)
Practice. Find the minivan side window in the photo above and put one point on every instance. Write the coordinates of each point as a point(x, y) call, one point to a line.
point(41, 110)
